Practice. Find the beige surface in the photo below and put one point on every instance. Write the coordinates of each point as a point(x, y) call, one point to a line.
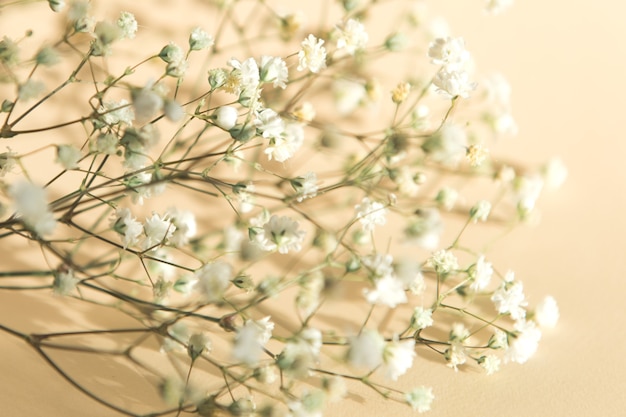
point(565, 61)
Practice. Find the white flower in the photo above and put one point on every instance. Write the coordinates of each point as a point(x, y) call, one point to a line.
point(114, 112)
point(547, 312)
point(527, 190)
point(68, 156)
point(444, 262)
point(370, 214)
point(305, 186)
point(447, 197)
point(398, 357)
point(456, 354)
point(348, 95)
point(213, 279)
point(554, 172)
point(490, 363)
point(64, 282)
point(480, 211)
point(335, 388)
point(250, 340)
point(126, 225)
point(185, 223)
point(269, 123)
point(524, 344)
point(389, 291)
point(410, 274)
point(449, 52)
point(247, 73)
point(379, 265)
point(421, 318)
point(274, 70)
point(509, 298)
point(29, 201)
point(7, 162)
point(420, 398)
point(285, 146)
point(158, 230)
point(453, 84)
point(366, 349)
point(312, 56)
point(281, 233)
point(351, 36)
point(225, 117)
point(128, 24)
point(497, 6)
point(481, 274)
point(425, 228)
point(56, 5)
point(198, 343)
point(448, 145)
point(146, 103)
point(199, 39)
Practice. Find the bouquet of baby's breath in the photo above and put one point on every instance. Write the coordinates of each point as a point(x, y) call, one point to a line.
point(252, 208)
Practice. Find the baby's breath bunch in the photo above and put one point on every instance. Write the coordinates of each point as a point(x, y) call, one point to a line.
point(276, 206)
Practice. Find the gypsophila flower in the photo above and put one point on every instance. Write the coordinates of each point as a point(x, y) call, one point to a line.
point(453, 84)
point(490, 363)
point(554, 172)
point(185, 226)
point(366, 349)
point(68, 156)
point(398, 357)
point(305, 186)
point(7, 162)
point(420, 398)
point(524, 343)
point(455, 355)
point(425, 228)
point(274, 70)
point(480, 211)
point(30, 89)
point(447, 197)
point(444, 262)
point(499, 340)
point(305, 112)
point(285, 146)
point(127, 226)
point(480, 273)
point(250, 340)
point(421, 318)
point(378, 265)
point(400, 93)
point(199, 40)
point(509, 298)
point(56, 5)
point(547, 312)
point(269, 123)
point(213, 279)
point(225, 117)
point(476, 154)
point(448, 145)
point(158, 230)
point(371, 214)
point(388, 291)
point(449, 52)
point(409, 273)
point(114, 112)
point(128, 24)
point(335, 388)
point(312, 56)
point(146, 103)
point(282, 234)
point(351, 36)
point(47, 56)
point(64, 282)
point(29, 201)
point(198, 344)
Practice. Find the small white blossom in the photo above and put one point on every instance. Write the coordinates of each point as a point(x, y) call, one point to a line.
point(64, 282)
point(444, 262)
point(7, 162)
point(449, 52)
point(410, 274)
point(250, 340)
point(420, 398)
point(547, 312)
point(127, 226)
point(305, 186)
point(285, 146)
point(480, 211)
point(274, 70)
point(524, 344)
point(421, 318)
point(198, 344)
point(128, 24)
point(456, 354)
point(185, 223)
point(452, 84)
point(389, 291)
point(158, 230)
point(425, 228)
point(509, 298)
point(225, 117)
point(366, 349)
point(114, 112)
point(481, 274)
point(379, 265)
point(351, 36)
point(312, 56)
point(554, 172)
point(29, 201)
point(199, 40)
point(281, 233)
point(146, 103)
point(398, 357)
point(370, 214)
point(490, 363)
point(447, 197)
point(56, 5)
point(68, 156)
point(348, 94)
point(448, 145)
point(213, 279)
point(269, 123)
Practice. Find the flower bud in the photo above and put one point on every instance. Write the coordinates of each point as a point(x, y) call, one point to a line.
point(225, 117)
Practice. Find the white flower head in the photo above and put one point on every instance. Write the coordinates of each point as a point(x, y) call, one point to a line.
point(480, 273)
point(250, 340)
point(525, 342)
point(490, 363)
point(421, 318)
point(351, 36)
point(398, 357)
point(420, 398)
point(449, 52)
point(281, 233)
point(68, 156)
point(199, 40)
point(509, 298)
point(286, 145)
point(453, 83)
point(448, 145)
point(371, 213)
point(312, 56)
point(198, 343)
point(305, 186)
point(226, 117)
point(127, 226)
point(554, 172)
point(185, 226)
point(274, 70)
point(366, 349)
point(444, 262)
point(389, 291)
point(425, 228)
point(128, 24)
point(213, 279)
point(547, 312)
point(64, 282)
point(158, 230)
point(29, 201)
point(7, 162)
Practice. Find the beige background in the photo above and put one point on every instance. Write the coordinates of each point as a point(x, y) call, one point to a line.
point(566, 62)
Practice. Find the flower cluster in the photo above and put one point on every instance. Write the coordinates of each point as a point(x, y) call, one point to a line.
point(231, 193)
